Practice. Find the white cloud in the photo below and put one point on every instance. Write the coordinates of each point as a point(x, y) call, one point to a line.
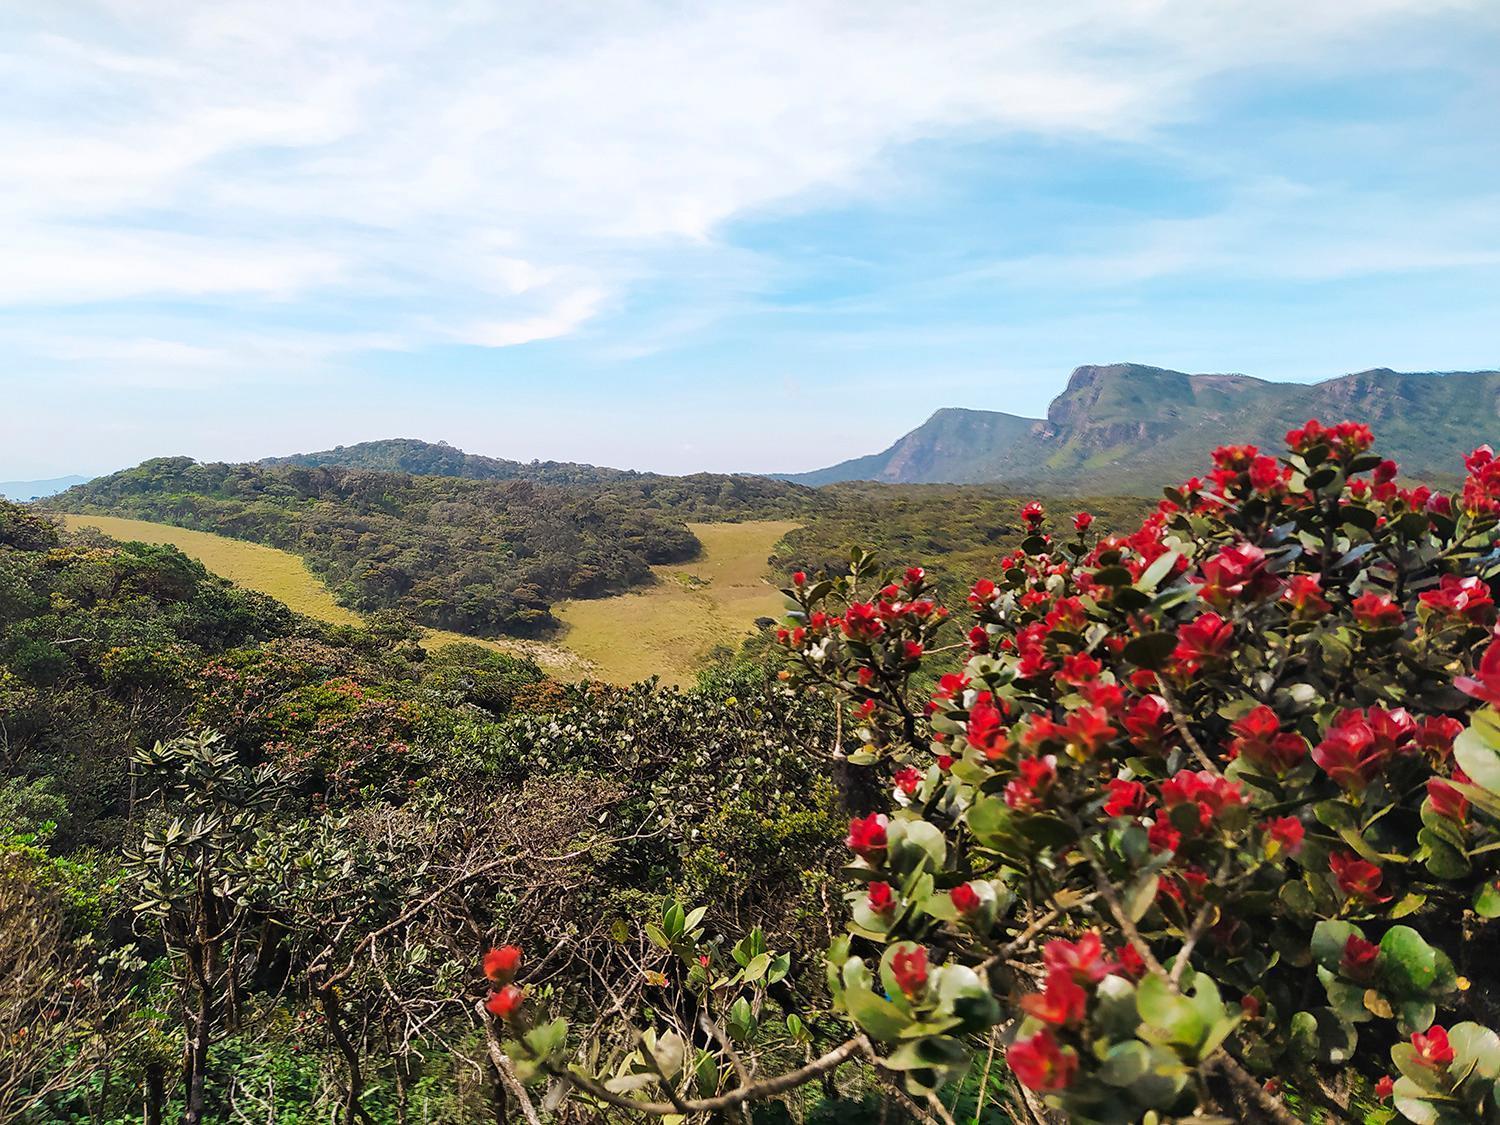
point(500, 174)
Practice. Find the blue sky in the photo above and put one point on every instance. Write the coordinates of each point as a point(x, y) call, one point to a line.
point(715, 236)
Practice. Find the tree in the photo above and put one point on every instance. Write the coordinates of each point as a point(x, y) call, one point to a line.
point(191, 881)
point(54, 1006)
point(1204, 818)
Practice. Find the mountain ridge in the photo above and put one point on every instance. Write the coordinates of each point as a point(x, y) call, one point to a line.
point(1131, 427)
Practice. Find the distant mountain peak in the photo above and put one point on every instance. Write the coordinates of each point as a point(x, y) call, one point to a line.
point(1131, 426)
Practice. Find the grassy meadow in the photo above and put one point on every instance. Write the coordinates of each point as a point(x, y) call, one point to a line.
point(287, 579)
point(667, 630)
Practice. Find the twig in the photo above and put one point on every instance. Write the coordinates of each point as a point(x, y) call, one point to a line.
point(1185, 730)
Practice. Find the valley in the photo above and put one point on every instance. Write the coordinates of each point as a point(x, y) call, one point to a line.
point(668, 629)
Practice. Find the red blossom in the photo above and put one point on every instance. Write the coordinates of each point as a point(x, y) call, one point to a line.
point(1132, 964)
point(909, 967)
point(1033, 513)
point(1126, 798)
point(1147, 720)
point(1211, 794)
point(1061, 1002)
point(1085, 959)
point(1202, 640)
point(1433, 1048)
point(1357, 878)
point(1288, 832)
point(1349, 753)
point(907, 780)
point(1358, 959)
point(1162, 837)
point(880, 898)
point(1376, 611)
point(1040, 1064)
point(965, 899)
point(1446, 800)
point(986, 730)
point(1304, 593)
point(1082, 522)
point(1259, 738)
point(867, 837)
point(1384, 1087)
point(1467, 598)
point(506, 1002)
point(1484, 685)
point(1435, 734)
point(500, 964)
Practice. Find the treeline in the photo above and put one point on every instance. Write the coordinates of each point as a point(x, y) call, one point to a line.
point(179, 751)
point(479, 557)
point(965, 527)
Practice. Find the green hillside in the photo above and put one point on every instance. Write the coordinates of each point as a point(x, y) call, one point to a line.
point(1127, 427)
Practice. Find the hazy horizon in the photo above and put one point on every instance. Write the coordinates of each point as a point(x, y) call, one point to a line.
point(681, 239)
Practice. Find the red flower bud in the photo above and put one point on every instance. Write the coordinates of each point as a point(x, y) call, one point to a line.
point(500, 964)
point(505, 1003)
point(965, 899)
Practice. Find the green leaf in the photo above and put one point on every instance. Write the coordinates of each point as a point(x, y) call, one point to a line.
point(1443, 860)
point(1141, 895)
point(1478, 749)
point(1476, 1050)
point(1125, 1063)
point(1329, 938)
point(1407, 960)
point(876, 1016)
point(1169, 1017)
point(757, 968)
point(1150, 650)
point(1487, 901)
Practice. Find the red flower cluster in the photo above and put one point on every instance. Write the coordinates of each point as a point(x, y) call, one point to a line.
point(1481, 491)
point(1344, 440)
point(1359, 743)
point(1376, 611)
point(500, 967)
point(1235, 573)
point(1025, 793)
point(1484, 685)
point(1304, 593)
point(1465, 598)
point(1259, 737)
point(1201, 641)
point(1039, 1062)
point(1211, 794)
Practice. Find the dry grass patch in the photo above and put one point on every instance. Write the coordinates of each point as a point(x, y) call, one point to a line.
point(669, 629)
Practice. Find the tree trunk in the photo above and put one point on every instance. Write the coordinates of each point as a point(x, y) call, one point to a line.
point(353, 1108)
point(197, 1060)
point(154, 1094)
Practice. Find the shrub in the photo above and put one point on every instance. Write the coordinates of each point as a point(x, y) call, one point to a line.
point(1206, 820)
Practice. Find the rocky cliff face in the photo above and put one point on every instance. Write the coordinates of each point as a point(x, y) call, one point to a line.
point(1130, 427)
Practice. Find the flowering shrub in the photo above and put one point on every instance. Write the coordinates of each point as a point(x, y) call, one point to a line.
point(1200, 818)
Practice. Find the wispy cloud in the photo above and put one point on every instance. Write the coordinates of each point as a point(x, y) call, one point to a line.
point(496, 174)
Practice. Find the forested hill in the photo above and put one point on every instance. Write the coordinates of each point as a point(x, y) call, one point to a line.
point(439, 459)
point(1130, 428)
point(480, 557)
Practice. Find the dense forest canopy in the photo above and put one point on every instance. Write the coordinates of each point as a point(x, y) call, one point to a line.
point(480, 557)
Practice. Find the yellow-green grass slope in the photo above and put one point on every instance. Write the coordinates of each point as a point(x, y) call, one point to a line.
point(287, 579)
point(670, 629)
point(665, 631)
